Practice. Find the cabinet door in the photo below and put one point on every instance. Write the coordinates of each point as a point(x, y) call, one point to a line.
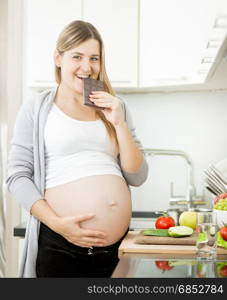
point(173, 40)
point(44, 19)
point(117, 22)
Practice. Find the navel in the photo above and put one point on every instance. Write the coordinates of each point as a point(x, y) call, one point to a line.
point(113, 204)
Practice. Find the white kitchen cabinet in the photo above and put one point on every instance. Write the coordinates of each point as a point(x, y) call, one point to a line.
point(174, 39)
point(44, 19)
point(117, 21)
point(156, 21)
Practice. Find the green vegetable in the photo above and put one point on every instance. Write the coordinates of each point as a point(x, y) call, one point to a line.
point(174, 263)
point(156, 232)
point(180, 231)
point(202, 237)
point(220, 241)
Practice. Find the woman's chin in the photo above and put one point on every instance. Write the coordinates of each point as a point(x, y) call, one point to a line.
point(78, 92)
point(79, 89)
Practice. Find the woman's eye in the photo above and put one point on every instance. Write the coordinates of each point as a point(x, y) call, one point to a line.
point(77, 57)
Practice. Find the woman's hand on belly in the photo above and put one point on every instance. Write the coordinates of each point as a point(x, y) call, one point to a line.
point(69, 228)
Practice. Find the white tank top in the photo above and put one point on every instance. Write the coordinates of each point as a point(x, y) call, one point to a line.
point(76, 149)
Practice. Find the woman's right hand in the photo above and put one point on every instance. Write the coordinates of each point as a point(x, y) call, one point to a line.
point(69, 228)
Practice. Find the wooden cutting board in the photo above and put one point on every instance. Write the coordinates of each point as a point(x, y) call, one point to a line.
point(140, 238)
point(128, 246)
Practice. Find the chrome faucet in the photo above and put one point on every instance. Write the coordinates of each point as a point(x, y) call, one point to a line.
point(191, 190)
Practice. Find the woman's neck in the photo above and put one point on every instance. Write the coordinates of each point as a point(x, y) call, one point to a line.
point(65, 95)
point(72, 102)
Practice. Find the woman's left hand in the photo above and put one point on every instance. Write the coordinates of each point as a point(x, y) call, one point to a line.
point(112, 106)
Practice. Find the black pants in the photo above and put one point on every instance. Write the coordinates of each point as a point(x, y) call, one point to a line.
point(59, 258)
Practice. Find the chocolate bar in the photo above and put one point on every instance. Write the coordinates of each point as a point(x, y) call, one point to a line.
point(91, 85)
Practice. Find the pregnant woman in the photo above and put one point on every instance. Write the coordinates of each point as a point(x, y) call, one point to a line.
point(70, 166)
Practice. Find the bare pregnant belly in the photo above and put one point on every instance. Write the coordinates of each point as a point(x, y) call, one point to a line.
point(107, 196)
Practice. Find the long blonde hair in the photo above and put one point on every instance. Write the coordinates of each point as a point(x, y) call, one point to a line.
point(71, 36)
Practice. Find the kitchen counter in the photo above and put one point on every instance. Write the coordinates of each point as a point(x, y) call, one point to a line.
point(157, 261)
point(20, 230)
point(141, 265)
point(128, 246)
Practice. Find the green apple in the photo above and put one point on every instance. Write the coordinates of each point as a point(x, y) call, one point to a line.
point(188, 218)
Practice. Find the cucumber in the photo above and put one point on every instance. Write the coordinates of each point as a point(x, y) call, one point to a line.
point(156, 232)
point(174, 263)
point(180, 231)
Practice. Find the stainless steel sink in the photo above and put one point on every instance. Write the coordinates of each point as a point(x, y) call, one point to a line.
point(143, 219)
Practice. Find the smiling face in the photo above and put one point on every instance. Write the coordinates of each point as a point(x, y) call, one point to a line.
point(78, 63)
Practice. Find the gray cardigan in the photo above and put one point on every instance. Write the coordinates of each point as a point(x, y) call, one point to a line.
point(26, 167)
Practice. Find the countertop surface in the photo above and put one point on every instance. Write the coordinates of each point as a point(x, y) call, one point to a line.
point(128, 246)
point(19, 230)
point(163, 261)
point(141, 265)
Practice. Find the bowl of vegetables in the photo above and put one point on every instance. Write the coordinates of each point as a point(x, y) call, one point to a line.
point(220, 209)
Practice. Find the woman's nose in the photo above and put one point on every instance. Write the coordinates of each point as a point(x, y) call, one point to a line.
point(85, 65)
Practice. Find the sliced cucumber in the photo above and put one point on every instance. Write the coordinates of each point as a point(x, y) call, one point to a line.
point(180, 231)
point(156, 232)
point(174, 263)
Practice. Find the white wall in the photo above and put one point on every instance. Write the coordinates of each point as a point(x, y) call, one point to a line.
point(193, 122)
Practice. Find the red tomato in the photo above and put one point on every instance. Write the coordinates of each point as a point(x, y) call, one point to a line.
point(223, 271)
point(223, 232)
point(164, 222)
point(163, 265)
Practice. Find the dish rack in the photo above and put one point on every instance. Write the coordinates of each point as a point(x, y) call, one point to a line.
point(216, 182)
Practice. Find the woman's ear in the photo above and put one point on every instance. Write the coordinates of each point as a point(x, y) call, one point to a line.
point(57, 58)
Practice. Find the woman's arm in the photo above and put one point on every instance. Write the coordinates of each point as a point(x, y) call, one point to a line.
point(131, 157)
point(20, 169)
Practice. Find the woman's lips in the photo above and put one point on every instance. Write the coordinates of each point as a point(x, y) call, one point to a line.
point(82, 77)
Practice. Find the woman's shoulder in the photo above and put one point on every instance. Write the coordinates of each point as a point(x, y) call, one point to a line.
point(34, 100)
